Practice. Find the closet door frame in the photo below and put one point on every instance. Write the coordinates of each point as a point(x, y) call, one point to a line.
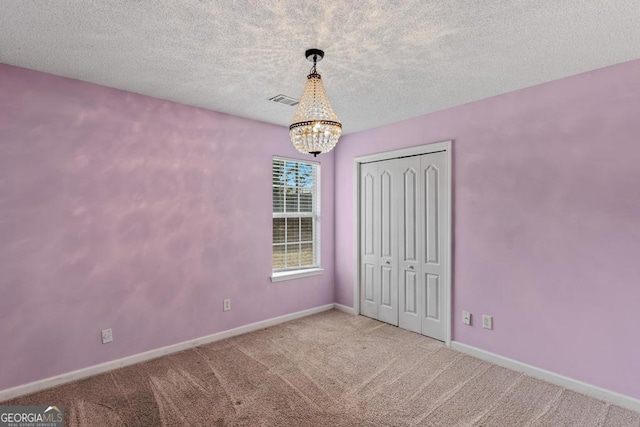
point(444, 146)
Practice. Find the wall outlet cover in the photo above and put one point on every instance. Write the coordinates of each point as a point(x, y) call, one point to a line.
point(487, 321)
point(107, 335)
point(226, 304)
point(466, 318)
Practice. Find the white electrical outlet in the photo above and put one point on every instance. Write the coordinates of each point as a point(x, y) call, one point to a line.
point(226, 304)
point(107, 336)
point(487, 321)
point(466, 317)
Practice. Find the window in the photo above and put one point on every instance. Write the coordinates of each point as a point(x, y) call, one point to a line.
point(296, 216)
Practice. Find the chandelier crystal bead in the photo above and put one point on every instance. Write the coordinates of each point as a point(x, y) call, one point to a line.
point(315, 128)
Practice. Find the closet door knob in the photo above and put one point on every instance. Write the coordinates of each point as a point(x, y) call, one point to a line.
point(411, 267)
point(388, 262)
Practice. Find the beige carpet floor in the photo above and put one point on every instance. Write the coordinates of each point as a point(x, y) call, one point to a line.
point(330, 369)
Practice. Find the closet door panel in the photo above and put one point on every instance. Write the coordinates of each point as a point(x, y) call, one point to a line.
point(434, 193)
point(388, 262)
point(409, 246)
point(369, 257)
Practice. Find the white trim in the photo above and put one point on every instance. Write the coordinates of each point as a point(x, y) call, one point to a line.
point(404, 152)
point(542, 374)
point(280, 276)
point(293, 159)
point(293, 215)
point(447, 145)
point(315, 214)
point(356, 236)
point(344, 308)
point(90, 371)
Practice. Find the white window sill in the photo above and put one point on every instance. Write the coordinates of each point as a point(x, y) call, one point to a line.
point(295, 274)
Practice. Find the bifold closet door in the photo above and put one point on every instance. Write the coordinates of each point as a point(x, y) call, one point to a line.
point(434, 254)
point(404, 244)
point(369, 244)
point(409, 246)
point(379, 240)
point(423, 248)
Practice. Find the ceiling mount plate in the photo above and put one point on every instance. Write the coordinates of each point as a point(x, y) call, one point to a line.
point(314, 55)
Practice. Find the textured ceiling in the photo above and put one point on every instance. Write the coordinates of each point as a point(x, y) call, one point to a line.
point(385, 60)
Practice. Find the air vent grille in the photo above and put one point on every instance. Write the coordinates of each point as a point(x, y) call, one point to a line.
point(284, 99)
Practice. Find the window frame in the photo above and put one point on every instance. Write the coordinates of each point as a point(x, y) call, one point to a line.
point(315, 268)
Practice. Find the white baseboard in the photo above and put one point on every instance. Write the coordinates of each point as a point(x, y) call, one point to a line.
point(344, 309)
point(35, 386)
point(542, 374)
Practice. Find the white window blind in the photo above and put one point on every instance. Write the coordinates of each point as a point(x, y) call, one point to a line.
point(296, 215)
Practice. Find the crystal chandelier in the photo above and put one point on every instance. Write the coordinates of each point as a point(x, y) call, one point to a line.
point(315, 128)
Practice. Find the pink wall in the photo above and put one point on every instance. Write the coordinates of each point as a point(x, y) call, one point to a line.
point(123, 211)
point(546, 221)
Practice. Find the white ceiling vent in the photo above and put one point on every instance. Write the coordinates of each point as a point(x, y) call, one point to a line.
point(284, 99)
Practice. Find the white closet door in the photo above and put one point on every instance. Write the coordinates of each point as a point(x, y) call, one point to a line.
point(369, 240)
point(379, 241)
point(409, 246)
point(434, 178)
point(388, 177)
point(404, 246)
